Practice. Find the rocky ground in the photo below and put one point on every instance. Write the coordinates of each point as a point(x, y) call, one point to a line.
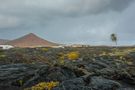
point(94, 68)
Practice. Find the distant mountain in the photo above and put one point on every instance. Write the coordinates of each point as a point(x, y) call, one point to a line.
point(31, 40)
point(3, 41)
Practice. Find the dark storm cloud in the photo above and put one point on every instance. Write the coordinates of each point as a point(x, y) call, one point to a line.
point(38, 13)
point(73, 20)
point(47, 8)
point(119, 5)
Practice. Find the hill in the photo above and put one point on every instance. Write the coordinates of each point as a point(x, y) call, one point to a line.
point(31, 40)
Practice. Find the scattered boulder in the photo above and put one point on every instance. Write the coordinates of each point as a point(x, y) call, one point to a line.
point(15, 75)
point(73, 84)
point(100, 83)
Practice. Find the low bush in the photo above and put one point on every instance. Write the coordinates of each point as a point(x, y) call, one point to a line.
point(44, 86)
point(73, 55)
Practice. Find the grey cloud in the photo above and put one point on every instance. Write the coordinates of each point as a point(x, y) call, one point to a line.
point(8, 21)
point(62, 6)
point(42, 11)
point(119, 5)
point(126, 25)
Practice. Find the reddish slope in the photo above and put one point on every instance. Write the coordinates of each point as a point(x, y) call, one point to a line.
point(31, 40)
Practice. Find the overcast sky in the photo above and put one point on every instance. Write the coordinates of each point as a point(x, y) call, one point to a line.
point(69, 21)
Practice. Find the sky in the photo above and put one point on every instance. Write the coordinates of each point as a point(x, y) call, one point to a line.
point(69, 21)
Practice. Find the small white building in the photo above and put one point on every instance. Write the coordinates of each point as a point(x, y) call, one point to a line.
point(5, 47)
point(57, 46)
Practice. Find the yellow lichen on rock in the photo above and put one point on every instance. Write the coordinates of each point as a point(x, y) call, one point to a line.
point(73, 55)
point(44, 86)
